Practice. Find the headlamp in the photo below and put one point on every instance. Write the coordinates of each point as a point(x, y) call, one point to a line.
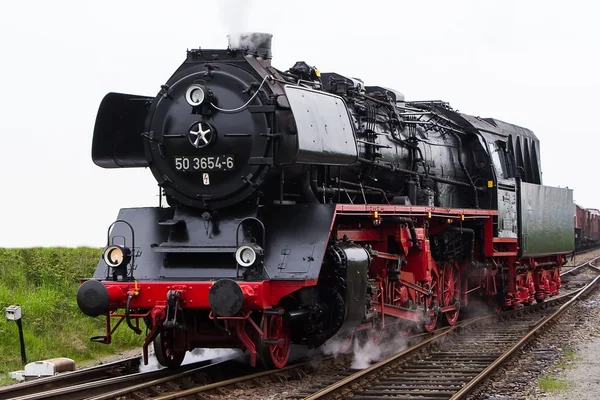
point(116, 256)
point(195, 95)
point(247, 254)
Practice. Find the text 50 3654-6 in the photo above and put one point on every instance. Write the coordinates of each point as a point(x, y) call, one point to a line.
point(208, 163)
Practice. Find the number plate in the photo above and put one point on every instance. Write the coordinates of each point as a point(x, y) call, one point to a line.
point(209, 163)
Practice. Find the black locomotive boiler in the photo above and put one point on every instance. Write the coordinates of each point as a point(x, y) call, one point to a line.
point(303, 206)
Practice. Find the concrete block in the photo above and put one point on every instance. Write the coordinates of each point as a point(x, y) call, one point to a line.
point(17, 375)
point(49, 367)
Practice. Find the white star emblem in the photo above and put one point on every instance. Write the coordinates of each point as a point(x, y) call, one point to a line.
point(202, 136)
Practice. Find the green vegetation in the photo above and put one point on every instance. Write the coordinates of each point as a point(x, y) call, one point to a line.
point(551, 384)
point(571, 355)
point(566, 360)
point(44, 282)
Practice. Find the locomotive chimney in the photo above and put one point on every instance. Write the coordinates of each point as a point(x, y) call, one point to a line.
point(256, 43)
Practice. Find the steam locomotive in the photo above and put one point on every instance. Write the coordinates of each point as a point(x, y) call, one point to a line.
point(304, 206)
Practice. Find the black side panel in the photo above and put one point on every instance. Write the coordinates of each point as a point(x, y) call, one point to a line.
point(325, 132)
point(297, 236)
point(357, 270)
point(118, 132)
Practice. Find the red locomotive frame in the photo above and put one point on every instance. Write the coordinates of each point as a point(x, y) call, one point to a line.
point(425, 291)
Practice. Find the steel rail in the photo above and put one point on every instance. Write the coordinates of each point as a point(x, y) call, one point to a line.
point(72, 385)
point(292, 371)
point(347, 382)
point(68, 378)
point(581, 253)
point(84, 390)
point(403, 354)
point(581, 266)
point(526, 339)
point(30, 390)
point(265, 374)
point(204, 388)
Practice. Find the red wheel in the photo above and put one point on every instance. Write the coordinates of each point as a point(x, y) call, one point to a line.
point(348, 345)
point(374, 334)
point(451, 292)
point(531, 287)
point(338, 346)
point(431, 321)
point(405, 330)
point(164, 350)
point(276, 355)
point(397, 294)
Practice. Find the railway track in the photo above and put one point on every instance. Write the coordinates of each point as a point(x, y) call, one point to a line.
point(581, 258)
point(452, 363)
point(105, 371)
point(174, 387)
point(452, 358)
point(194, 381)
point(98, 380)
point(490, 335)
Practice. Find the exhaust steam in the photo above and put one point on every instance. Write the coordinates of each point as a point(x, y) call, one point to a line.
point(234, 14)
point(255, 42)
point(365, 352)
point(194, 356)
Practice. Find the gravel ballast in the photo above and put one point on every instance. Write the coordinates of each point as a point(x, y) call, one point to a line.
point(565, 361)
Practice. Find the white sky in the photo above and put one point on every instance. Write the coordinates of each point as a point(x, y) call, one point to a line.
point(532, 63)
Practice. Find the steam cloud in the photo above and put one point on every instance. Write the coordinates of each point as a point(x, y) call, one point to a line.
point(396, 341)
point(194, 356)
point(370, 352)
point(234, 14)
point(365, 354)
point(250, 41)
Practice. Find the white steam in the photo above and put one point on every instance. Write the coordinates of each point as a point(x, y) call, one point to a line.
point(235, 17)
point(234, 14)
point(364, 353)
point(153, 364)
point(251, 41)
point(194, 356)
point(335, 346)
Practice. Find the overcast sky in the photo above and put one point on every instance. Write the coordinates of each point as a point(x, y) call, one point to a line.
point(532, 63)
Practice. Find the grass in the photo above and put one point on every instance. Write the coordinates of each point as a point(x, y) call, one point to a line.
point(44, 282)
point(568, 357)
point(551, 384)
point(556, 384)
point(571, 355)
